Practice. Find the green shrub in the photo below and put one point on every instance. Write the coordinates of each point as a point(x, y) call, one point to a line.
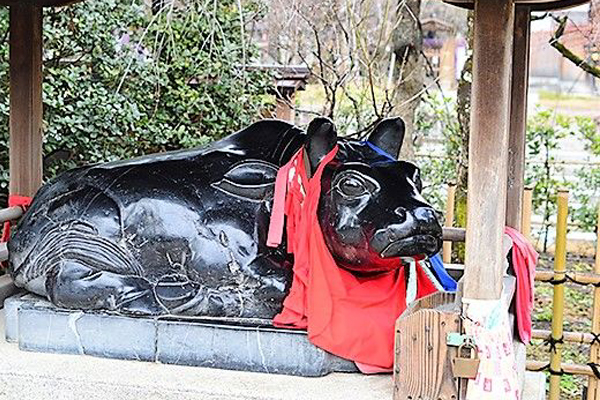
point(120, 81)
point(437, 117)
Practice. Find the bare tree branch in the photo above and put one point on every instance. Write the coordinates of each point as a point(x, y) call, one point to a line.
point(567, 53)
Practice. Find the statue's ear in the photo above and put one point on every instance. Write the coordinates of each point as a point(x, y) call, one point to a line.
point(321, 138)
point(388, 135)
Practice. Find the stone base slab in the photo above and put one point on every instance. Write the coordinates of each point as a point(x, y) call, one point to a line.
point(37, 325)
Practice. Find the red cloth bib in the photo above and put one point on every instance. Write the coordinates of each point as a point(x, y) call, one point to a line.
point(14, 200)
point(348, 316)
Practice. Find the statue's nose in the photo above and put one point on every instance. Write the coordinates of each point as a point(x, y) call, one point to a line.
point(425, 214)
point(427, 220)
point(418, 216)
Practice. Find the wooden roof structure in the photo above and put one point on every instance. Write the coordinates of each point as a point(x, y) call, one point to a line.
point(532, 5)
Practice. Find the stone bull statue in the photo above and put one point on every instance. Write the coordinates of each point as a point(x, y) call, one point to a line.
point(184, 233)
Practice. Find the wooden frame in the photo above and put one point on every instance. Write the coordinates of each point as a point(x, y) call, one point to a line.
point(496, 151)
point(497, 139)
point(25, 99)
point(534, 5)
point(518, 118)
point(488, 148)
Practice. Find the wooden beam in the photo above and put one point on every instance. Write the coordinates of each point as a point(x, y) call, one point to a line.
point(447, 247)
point(571, 337)
point(25, 99)
point(573, 369)
point(11, 213)
point(285, 105)
point(558, 289)
point(488, 148)
point(593, 392)
point(450, 234)
point(526, 212)
point(536, 5)
point(518, 118)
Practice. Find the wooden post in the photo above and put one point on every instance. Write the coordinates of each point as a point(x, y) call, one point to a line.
point(560, 262)
point(284, 105)
point(518, 118)
point(527, 206)
point(447, 247)
point(25, 99)
point(593, 392)
point(488, 148)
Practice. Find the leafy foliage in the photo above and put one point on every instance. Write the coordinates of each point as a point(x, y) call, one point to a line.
point(437, 121)
point(587, 192)
point(544, 130)
point(121, 81)
point(437, 116)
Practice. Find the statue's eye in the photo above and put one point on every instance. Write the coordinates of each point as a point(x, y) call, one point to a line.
point(352, 186)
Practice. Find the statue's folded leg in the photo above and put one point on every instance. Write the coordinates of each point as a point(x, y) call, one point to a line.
point(74, 285)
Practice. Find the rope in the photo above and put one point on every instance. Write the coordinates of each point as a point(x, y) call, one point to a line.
point(593, 366)
point(553, 342)
point(540, 369)
point(569, 278)
point(595, 369)
point(550, 370)
point(555, 281)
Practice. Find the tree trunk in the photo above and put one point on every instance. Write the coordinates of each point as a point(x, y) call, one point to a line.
point(408, 45)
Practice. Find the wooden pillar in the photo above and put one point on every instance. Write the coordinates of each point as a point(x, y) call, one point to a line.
point(518, 118)
point(25, 99)
point(488, 148)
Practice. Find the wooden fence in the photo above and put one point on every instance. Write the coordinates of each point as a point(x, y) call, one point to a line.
point(556, 337)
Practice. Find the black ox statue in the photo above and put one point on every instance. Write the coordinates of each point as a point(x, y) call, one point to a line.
point(184, 233)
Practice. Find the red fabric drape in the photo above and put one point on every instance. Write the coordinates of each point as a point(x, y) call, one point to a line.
point(524, 260)
point(345, 315)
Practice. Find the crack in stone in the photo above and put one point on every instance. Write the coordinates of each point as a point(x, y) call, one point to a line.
point(72, 323)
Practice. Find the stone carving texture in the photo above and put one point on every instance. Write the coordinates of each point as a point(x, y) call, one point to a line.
point(184, 233)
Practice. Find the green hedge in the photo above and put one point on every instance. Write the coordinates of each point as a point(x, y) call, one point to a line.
point(120, 81)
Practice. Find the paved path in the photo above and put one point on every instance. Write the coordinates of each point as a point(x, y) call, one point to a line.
point(37, 376)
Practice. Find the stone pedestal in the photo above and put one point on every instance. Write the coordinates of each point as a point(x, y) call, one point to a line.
point(37, 325)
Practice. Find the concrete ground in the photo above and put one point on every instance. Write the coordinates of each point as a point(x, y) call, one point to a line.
point(39, 376)
point(535, 386)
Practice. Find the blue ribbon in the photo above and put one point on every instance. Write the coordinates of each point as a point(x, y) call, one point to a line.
point(447, 282)
point(378, 150)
